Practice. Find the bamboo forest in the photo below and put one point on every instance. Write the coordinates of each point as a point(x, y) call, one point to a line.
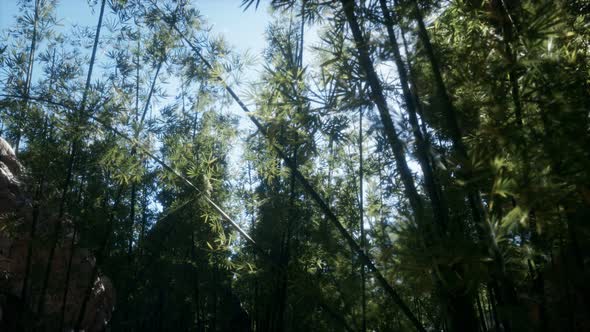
point(351, 165)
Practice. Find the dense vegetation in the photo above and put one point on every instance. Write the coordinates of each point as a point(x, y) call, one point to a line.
point(427, 168)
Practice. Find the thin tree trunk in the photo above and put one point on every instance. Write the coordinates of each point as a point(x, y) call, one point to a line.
point(414, 88)
point(195, 281)
point(378, 97)
point(137, 75)
point(508, 37)
point(131, 220)
point(396, 298)
point(29, 76)
point(463, 316)
point(214, 299)
point(67, 281)
point(362, 226)
point(36, 203)
point(134, 151)
point(73, 151)
point(150, 93)
point(144, 216)
point(438, 207)
point(568, 291)
point(448, 109)
point(492, 304)
point(69, 265)
point(286, 251)
point(482, 316)
point(506, 289)
point(56, 231)
point(455, 133)
point(302, 30)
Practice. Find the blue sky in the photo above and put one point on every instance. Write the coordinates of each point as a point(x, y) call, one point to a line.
point(244, 30)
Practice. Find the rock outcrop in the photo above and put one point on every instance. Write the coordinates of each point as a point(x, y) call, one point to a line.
point(17, 247)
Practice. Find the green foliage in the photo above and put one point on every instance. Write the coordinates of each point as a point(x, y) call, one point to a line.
point(157, 123)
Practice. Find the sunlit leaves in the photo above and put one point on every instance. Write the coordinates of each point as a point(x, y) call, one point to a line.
point(124, 170)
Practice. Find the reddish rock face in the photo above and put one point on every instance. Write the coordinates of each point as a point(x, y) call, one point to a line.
point(16, 219)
